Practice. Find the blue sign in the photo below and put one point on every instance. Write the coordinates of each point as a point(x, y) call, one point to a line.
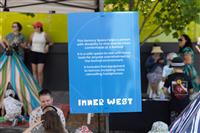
point(104, 62)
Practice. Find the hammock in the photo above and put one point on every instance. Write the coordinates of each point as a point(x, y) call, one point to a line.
point(14, 71)
point(188, 121)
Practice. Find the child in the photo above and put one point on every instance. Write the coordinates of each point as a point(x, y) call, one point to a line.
point(180, 86)
point(12, 107)
point(167, 70)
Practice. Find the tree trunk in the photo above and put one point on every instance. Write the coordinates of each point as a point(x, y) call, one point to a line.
point(131, 5)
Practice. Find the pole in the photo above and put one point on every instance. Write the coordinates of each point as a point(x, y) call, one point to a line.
point(107, 123)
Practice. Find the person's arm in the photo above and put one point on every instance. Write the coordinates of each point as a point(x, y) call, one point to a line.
point(48, 43)
point(5, 43)
point(62, 117)
point(165, 91)
point(28, 130)
point(166, 86)
point(2, 110)
point(23, 42)
point(48, 39)
point(35, 116)
point(29, 42)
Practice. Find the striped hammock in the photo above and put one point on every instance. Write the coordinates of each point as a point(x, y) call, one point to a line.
point(13, 71)
point(189, 120)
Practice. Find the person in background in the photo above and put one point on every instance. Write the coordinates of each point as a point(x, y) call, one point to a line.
point(13, 107)
point(15, 40)
point(167, 70)
point(180, 87)
point(50, 123)
point(154, 66)
point(185, 44)
point(190, 70)
point(46, 99)
point(39, 42)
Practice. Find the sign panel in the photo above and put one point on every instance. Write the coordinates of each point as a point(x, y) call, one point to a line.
point(104, 62)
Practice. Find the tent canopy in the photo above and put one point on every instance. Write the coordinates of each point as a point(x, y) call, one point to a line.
point(46, 6)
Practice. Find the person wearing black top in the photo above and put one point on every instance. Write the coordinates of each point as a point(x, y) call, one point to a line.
point(180, 87)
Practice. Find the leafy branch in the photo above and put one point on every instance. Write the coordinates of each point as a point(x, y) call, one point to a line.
point(147, 17)
point(168, 16)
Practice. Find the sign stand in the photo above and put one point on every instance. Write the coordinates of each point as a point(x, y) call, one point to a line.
point(107, 123)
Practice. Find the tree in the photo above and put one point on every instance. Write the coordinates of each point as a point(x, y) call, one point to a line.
point(159, 16)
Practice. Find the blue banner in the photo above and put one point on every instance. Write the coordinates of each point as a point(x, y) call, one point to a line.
point(104, 62)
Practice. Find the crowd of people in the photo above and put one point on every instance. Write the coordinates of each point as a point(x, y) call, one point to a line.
point(174, 77)
point(46, 118)
point(38, 43)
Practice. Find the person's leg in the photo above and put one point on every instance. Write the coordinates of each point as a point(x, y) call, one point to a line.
point(40, 73)
point(34, 70)
point(154, 88)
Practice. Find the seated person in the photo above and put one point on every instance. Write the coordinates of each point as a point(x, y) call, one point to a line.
point(154, 66)
point(50, 122)
point(12, 107)
point(46, 99)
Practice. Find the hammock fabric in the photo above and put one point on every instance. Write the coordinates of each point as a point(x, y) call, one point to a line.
point(189, 120)
point(14, 71)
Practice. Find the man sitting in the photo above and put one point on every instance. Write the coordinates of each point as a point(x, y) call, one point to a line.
point(46, 99)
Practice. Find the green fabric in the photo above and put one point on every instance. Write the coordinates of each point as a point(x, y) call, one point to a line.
point(191, 71)
point(2, 119)
point(2, 86)
point(23, 93)
point(188, 50)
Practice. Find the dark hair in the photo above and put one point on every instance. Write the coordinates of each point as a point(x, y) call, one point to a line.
point(188, 41)
point(52, 122)
point(155, 45)
point(44, 92)
point(18, 25)
point(49, 107)
point(41, 29)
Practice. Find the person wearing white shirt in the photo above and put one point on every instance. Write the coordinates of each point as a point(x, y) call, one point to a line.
point(46, 99)
point(39, 43)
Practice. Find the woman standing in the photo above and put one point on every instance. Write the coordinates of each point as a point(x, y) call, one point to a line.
point(186, 51)
point(185, 44)
point(40, 43)
point(190, 70)
point(15, 40)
